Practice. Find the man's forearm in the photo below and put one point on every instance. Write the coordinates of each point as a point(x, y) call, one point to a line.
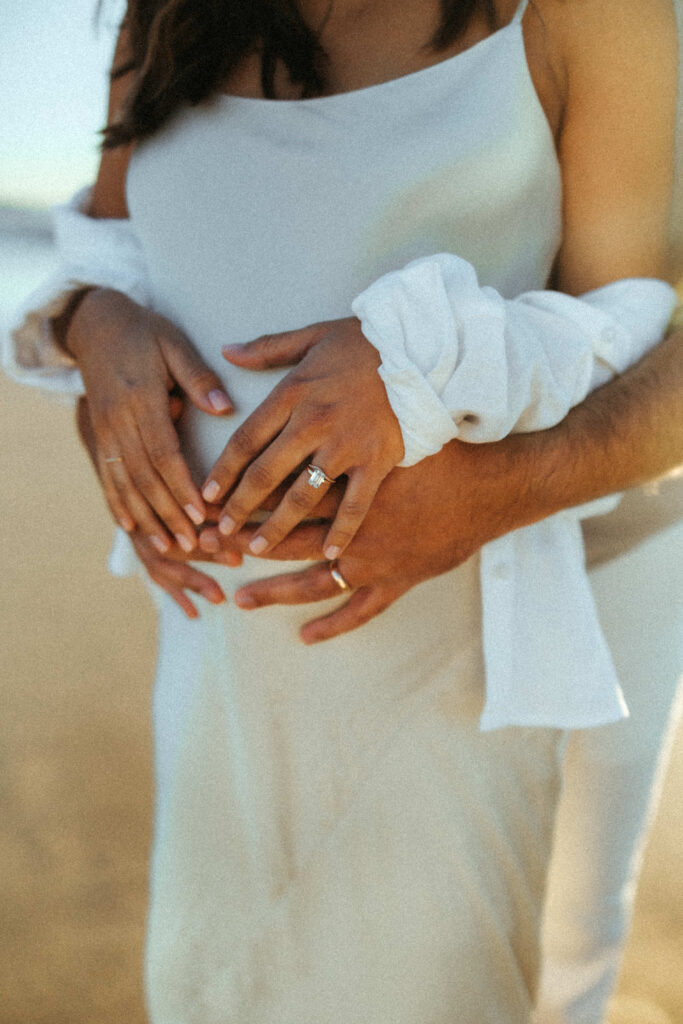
point(626, 433)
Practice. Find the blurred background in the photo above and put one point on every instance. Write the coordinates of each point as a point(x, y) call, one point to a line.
point(77, 647)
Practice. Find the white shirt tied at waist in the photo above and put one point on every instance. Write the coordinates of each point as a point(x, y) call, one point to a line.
point(458, 361)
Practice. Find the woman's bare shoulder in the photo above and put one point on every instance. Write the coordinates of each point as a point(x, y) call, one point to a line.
point(605, 32)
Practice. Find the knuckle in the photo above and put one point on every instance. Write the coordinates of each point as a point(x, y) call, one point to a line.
point(106, 412)
point(260, 477)
point(133, 389)
point(163, 454)
point(269, 343)
point(301, 501)
point(201, 378)
point(353, 511)
point(142, 478)
point(242, 442)
point(319, 414)
point(236, 509)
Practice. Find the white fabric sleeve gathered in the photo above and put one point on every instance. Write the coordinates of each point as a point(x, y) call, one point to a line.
point(101, 252)
point(459, 360)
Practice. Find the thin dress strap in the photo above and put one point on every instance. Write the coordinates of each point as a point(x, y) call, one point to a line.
point(519, 13)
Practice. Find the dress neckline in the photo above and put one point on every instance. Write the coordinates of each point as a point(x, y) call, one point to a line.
point(349, 95)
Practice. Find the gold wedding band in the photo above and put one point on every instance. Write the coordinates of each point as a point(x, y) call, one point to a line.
point(115, 458)
point(337, 576)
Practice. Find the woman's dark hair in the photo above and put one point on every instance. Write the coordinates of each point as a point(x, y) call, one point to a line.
point(183, 50)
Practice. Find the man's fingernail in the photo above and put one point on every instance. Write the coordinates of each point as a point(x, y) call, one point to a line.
point(219, 401)
point(209, 542)
point(127, 524)
point(245, 601)
point(184, 543)
point(161, 544)
point(258, 545)
point(226, 525)
point(231, 348)
point(195, 515)
point(211, 491)
point(331, 553)
point(214, 596)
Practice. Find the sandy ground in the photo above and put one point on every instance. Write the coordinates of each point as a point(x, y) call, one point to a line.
point(77, 652)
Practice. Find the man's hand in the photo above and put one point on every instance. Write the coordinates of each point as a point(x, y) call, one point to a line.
point(424, 521)
point(175, 575)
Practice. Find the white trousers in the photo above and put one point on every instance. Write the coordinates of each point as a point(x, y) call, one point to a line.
point(612, 779)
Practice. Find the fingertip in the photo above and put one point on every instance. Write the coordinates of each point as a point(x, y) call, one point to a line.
point(187, 607)
point(244, 601)
point(309, 636)
point(209, 542)
point(219, 402)
point(211, 490)
point(197, 515)
point(230, 558)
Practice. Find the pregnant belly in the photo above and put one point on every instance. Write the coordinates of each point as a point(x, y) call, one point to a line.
point(203, 437)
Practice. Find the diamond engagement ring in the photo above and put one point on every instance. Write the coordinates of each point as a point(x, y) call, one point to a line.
point(317, 477)
point(337, 576)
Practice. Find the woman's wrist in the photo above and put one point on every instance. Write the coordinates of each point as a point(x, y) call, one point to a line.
point(61, 325)
point(92, 309)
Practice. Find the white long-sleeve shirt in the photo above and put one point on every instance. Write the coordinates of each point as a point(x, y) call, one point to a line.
point(458, 360)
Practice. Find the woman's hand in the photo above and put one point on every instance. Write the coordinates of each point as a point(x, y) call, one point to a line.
point(331, 411)
point(424, 521)
point(130, 360)
point(170, 571)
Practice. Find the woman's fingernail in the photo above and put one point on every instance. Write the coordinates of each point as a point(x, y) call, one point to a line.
point(226, 525)
point(231, 348)
point(211, 491)
point(184, 543)
point(161, 544)
point(219, 401)
point(195, 515)
point(258, 545)
point(245, 601)
point(214, 596)
point(331, 553)
point(126, 524)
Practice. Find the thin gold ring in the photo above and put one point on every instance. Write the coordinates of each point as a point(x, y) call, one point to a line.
point(115, 458)
point(337, 576)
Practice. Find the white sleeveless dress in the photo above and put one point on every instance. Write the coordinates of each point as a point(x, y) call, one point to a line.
point(336, 842)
